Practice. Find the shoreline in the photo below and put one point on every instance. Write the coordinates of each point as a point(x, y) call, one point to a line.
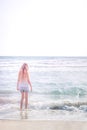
point(42, 125)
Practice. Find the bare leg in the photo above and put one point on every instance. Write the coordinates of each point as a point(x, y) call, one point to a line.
point(22, 98)
point(26, 100)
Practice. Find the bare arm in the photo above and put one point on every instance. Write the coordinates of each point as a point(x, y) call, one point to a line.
point(29, 82)
point(18, 80)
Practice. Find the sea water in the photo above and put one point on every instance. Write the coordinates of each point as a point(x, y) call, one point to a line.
point(59, 88)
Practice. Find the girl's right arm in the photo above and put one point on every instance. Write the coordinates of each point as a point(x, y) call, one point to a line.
point(29, 82)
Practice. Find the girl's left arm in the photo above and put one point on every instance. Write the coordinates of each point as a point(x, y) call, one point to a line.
point(18, 81)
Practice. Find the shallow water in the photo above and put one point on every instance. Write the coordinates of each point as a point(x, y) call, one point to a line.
point(59, 88)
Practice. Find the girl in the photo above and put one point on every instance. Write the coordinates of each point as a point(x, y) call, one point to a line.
point(23, 84)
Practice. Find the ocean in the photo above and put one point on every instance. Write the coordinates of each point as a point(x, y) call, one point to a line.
point(59, 88)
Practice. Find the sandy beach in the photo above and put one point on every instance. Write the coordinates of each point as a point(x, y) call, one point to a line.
point(42, 125)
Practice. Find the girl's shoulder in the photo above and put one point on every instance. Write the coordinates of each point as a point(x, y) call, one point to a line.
point(20, 72)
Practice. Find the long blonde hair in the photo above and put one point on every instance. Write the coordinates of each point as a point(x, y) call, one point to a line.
point(24, 67)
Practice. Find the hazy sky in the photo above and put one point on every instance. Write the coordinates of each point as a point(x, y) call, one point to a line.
point(43, 27)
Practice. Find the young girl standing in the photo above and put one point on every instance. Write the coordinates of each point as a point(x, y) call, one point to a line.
point(23, 84)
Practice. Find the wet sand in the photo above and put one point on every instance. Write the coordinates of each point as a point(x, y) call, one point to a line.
point(42, 125)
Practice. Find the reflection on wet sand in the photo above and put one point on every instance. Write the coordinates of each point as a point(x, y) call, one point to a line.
point(24, 114)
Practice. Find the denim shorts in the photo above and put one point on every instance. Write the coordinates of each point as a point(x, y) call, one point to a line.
point(24, 87)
